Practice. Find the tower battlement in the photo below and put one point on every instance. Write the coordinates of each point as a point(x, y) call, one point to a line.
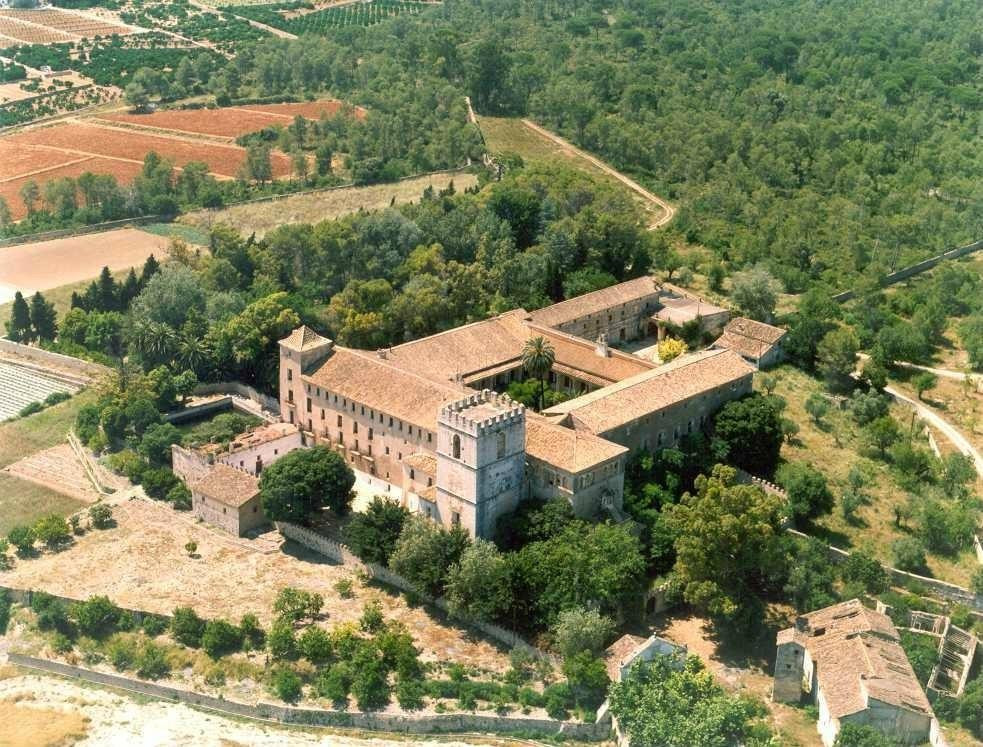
point(481, 411)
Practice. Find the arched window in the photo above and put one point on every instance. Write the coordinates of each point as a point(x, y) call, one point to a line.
point(500, 441)
point(457, 447)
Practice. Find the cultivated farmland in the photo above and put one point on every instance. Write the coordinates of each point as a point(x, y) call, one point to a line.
point(50, 26)
point(229, 123)
point(295, 18)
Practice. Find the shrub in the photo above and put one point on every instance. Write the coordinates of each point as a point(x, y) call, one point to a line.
point(122, 653)
point(555, 699)
point(252, 634)
point(151, 662)
point(52, 530)
point(372, 619)
point(215, 675)
point(752, 429)
point(220, 637)
point(55, 397)
point(154, 625)
point(50, 612)
point(370, 685)
point(286, 685)
point(158, 481)
point(281, 642)
point(179, 497)
point(334, 683)
point(372, 534)
point(5, 604)
point(862, 569)
point(130, 464)
point(61, 643)
point(101, 516)
point(909, 554)
point(293, 605)
point(410, 693)
point(862, 735)
point(96, 617)
point(30, 409)
point(315, 645)
point(187, 627)
point(23, 539)
point(808, 493)
point(344, 588)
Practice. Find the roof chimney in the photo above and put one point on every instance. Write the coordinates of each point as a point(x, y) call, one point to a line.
point(601, 346)
point(802, 624)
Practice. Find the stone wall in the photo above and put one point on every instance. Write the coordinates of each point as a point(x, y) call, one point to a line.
point(24, 596)
point(341, 554)
point(916, 269)
point(47, 358)
point(238, 389)
point(406, 723)
point(80, 230)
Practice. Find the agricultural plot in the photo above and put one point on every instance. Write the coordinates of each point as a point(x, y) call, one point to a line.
point(230, 123)
point(20, 387)
point(302, 18)
point(51, 26)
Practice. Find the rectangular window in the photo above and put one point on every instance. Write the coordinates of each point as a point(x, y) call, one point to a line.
point(339, 421)
point(341, 437)
point(290, 374)
point(290, 395)
point(309, 404)
point(322, 413)
point(455, 519)
point(370, 434)
point(355, 427)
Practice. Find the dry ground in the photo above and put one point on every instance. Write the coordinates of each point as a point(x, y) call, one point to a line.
point(142, 564)
point(833, 447)
point(43, 265)
point(262, 217)
point(42, 711)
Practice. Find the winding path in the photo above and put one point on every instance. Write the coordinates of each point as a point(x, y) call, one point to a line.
point(944, 373)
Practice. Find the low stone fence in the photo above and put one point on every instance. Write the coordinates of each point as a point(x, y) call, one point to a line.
point(769, 487)
point(82, 230)
point(405, 723)
point(943, 589)
point(338, 552)
point(238, 389)
point(48, 358)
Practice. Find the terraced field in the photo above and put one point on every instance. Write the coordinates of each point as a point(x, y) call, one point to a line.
point(20, 387)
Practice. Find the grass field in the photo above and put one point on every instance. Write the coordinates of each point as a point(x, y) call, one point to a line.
point(23, 502)
point(61, 297)
point(833, 447)
point(261, 217)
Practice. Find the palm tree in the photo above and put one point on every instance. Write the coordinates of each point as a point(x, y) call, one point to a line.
point(538, 358)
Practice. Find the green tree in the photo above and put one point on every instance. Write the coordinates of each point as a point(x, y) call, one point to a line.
point(187, 627)
point(731, 550)
point(5, 216)
point(23, 539)
point(811, 577)
point(19, 326)
point(286, 685)
point(478, 585)
point(579, 629)
point(538, 357)
point(294, 605)
point(304, 482)
point(30, 193)
point(755, 292)
point(837, 356)
point(97, 617)
point(44, 320)
point(923, 382)
point(808, 493)
point(281, 641)
point(909, 554)
point(817, 406)
point(372, 534)
point(678, 704)
point(882, 433)
point(862, 735)
point(219, 638)
point(425, 553)
point(52, 530)
point(863, 570)
point(315, 645)
point(752, 429)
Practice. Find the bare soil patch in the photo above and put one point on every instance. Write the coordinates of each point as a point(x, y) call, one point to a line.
point(226, 123)
point(26, 725)
point(262, 217)
point(227, 579)
point(48, 264)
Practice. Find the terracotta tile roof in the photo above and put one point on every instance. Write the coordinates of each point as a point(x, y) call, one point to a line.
point(617, 652)
point(567, 449)
point(228, 485)
point(749, 338)
point(592, 303)
point(303, 338)
point(653, 390)
point(254, 437)
point(858, 655)
point(581, 355)
point(421, 460)
point(682, 310)
point(382, 385)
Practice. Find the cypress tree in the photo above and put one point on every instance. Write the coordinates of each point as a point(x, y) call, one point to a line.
point(44, 320)
point(108, 291)
point(128, 290)
point(19, 326)
point(150, 268)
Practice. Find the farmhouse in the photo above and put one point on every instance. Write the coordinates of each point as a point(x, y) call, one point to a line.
point(427, 417)
point(758, 343)
point(228, 498)
point(850, 662)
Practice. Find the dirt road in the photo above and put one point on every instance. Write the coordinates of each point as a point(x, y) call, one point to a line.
point(654, 201)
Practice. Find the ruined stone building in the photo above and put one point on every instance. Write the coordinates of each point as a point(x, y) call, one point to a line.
point(428, 420)
point(849, 661)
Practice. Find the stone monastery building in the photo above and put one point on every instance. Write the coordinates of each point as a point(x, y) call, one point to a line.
point(425, 416)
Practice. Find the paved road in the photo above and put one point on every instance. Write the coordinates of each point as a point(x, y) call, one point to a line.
point(948, 430)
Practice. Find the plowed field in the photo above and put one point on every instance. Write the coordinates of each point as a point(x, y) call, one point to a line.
point(84, 139)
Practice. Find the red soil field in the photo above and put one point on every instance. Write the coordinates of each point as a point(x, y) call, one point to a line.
point(308, 109)
point(124, 171)
point(17, 160)
point(83, 139)
point(228, 123)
